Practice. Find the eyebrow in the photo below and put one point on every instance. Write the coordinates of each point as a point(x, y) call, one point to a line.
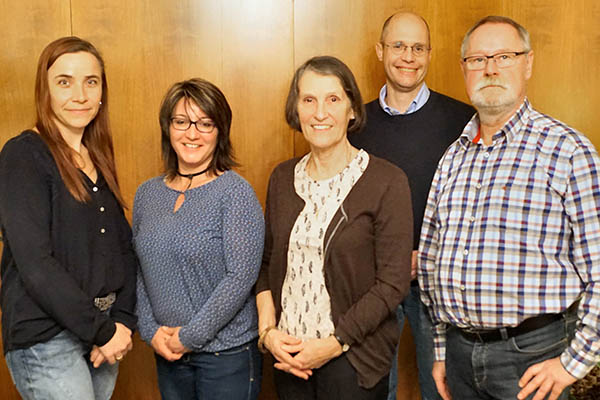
point(71, 76)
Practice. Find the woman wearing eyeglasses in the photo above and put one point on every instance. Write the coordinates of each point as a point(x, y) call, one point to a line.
point(198, 233)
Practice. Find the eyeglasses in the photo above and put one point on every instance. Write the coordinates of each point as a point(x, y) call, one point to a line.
point(397, 48)
point(203, 125)
point(502, 60)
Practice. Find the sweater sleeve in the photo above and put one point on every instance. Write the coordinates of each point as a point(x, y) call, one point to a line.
point(393, 247)
point(26, 212)
point(243, 233)
point(123, 310)
point(147, 324)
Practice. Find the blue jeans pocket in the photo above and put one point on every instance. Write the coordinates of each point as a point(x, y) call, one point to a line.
point(547, 340)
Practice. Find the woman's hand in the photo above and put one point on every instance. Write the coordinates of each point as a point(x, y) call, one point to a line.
point(96, 356)
point(317, 352)
point(159, 343)
point(174, 344)
point(118, 345)
point(283, 346)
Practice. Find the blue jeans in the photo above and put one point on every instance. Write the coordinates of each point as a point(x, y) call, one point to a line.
point(476, 370)
point(413, 308)
point(233, 374)
point(60, 369)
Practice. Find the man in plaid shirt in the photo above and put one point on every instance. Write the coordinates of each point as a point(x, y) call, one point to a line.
point(510, 245)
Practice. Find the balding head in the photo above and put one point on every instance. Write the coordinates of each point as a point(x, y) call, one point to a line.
point(403, 17)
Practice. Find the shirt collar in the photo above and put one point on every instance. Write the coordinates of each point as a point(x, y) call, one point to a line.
point(417, 103)
point(509, 130)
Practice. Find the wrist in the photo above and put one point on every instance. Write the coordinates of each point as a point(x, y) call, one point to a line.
point(343, 345)
point(262, 336)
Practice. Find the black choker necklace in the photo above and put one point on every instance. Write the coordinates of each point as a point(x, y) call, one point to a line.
point(191, 176)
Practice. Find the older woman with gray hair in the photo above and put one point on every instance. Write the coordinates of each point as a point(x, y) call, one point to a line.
point(337, 249)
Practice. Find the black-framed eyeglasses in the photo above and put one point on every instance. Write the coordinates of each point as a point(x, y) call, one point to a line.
point(503, 60)
point(397, 48)
point(203, 125)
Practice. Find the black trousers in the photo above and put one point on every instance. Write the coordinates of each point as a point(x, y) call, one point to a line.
point(336, 380)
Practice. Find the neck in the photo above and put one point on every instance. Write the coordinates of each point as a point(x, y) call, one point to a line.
point(491, 120)
point(399, 99)
point(73, 138)
point(325, 163)
point(192, 175)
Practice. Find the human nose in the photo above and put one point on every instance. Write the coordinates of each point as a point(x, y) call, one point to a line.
point(407, 54)
point(490, 66)
point(79, 94)
point(321, 111)
point(192, 132)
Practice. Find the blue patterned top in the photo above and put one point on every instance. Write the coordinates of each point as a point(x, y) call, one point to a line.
point(198, 265)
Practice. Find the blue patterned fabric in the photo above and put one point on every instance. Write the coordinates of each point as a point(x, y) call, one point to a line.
point(198, 265)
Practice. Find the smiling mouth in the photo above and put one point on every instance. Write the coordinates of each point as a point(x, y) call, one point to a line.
point(321, 127)
point(191, 146)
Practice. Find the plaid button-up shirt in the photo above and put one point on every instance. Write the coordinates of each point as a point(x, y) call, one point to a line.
point(512, 231)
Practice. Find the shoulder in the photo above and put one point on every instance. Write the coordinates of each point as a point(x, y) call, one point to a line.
point(28, 142)
point(234, 182)
point(27, 151)
point(148, 187)
point(557, 135)
point(383, 172)
point(285, 170)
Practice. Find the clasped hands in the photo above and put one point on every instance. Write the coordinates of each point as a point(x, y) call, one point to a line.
point(298, 357)
point(166, 343)
point(115, 349)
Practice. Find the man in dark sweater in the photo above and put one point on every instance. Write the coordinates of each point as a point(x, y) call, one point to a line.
point(411, 126)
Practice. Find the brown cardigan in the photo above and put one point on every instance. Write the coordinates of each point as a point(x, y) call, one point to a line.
point(368, 248)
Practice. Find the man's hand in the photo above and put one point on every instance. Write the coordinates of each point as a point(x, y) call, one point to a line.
point(414, 265)
point(439, 376)
point(546, 378)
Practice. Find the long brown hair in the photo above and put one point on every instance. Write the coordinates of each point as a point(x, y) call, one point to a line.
point(97, 136)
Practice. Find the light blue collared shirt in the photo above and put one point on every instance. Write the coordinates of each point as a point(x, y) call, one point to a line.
point(418, 102)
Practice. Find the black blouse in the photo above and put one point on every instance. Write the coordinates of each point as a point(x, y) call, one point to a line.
point(59, 254)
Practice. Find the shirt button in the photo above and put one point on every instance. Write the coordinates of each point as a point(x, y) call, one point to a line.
point(486, 155)
point(465, 252)
point(102, 230)
point(95, 188)
point(462, 288)
point(472, 218)
point(478, 186)
point(101, 209)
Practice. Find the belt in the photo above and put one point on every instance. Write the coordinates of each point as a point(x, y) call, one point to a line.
point(528, 325)
point(106, 302)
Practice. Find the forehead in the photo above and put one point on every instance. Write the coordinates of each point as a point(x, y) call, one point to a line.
point(74, 64)
point(491, 38)
point(313, 82)
point(185, 106)
point(406, 28)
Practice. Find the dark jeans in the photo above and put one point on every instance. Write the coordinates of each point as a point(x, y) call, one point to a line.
point(233, 374)
point(491, 371)
point(413, 309)
point(336, 380)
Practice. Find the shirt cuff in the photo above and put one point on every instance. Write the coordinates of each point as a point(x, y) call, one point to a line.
point(575, 364)
point(439, 342)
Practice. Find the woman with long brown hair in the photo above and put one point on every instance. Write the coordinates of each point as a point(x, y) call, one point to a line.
point(68, 270)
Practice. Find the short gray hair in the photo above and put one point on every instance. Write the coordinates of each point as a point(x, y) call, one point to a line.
point(495, 19)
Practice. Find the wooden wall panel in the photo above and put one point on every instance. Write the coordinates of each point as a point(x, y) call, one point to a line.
point(25, 28)
point(250, 49)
